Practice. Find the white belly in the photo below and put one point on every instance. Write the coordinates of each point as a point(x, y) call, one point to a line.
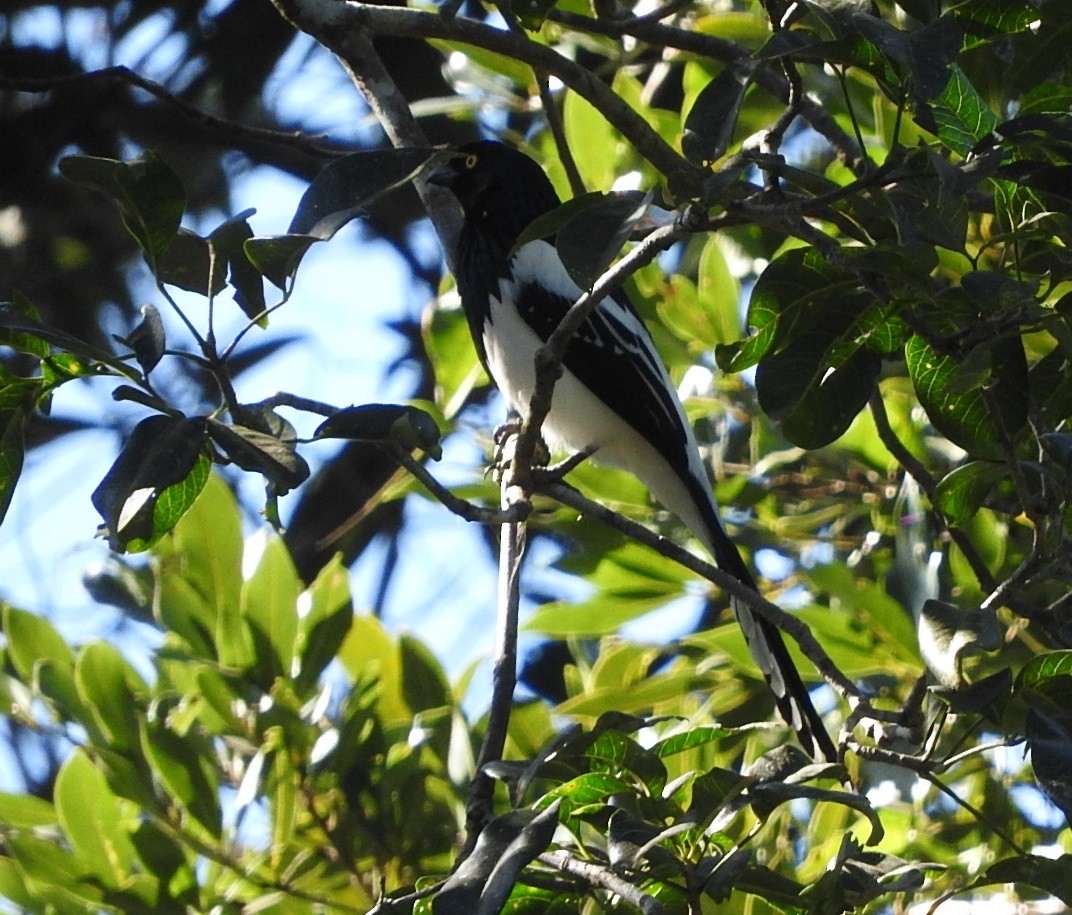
point(580, 421)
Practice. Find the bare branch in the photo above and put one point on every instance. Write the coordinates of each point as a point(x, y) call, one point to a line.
point(344, 27)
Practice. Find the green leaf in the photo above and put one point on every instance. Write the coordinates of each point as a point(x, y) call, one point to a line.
point(26, 811)
point(112, 692)
point(55, 875)
point(958, 115)
point(581, 794)
point(688, 740)
point(991, 20)
point(961, 493)
point(150, 196)
point(23, 341)
point(323, 626)
point(30, 639)
point(269, 606)
point(962, 412)
point(93, 819)
point(424, 684)
point(15, 321)
point(152, 482)
point(1044, 667)
point(276, 257)
point(368, 651)
point(186, 768)
point(12, 454)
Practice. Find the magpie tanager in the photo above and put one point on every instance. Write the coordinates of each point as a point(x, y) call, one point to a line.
point(614, 399)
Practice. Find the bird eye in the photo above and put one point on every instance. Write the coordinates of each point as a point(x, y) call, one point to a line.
point(471, 160)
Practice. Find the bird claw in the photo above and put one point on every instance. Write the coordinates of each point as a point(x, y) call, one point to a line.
point(505, 438)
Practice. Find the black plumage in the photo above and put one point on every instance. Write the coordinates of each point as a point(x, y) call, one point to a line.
point(615, 398)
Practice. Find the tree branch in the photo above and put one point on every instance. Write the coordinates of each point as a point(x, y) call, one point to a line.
point(504, 676)
point(600, 876)
point(344, 27)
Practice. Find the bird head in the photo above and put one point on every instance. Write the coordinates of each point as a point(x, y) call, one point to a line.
point(499, 188)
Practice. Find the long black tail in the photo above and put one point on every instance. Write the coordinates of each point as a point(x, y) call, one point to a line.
point(770, 654)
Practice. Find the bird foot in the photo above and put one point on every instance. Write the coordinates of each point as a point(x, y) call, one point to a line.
point(505, 438)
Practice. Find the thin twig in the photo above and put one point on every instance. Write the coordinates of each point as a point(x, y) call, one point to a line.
point(558, 133)
point(463, 508)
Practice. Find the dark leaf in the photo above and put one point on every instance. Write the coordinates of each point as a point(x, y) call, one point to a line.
point(261, 453)
point(1052, 180)
point(346, 187)
point(132, 394)
point(227, 243)
point(1051, 875)
point(709, 125)
point(816, 368)
point(150, 196)
point(13, 319)
point(979, 698)
point(187, 263)
point(250, 356)
point(931, 51)
point(276, 257)
point(185, 767)
point(375, 422)
point(592, 237)
point(148, 339)
point(156, 461)
point(960, 494)
point(720, 873)
point(629, 841)
point(12, 452)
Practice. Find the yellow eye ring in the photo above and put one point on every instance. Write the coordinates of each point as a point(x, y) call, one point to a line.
point(471, 160)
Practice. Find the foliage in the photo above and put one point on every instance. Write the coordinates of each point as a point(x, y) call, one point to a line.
point(900, 219)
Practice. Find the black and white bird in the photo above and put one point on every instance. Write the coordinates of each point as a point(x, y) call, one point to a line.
point(614, 399)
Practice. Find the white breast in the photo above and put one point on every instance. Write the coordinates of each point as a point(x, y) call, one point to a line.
point(578, 420)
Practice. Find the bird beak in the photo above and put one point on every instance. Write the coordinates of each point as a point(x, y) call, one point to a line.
point(444, 175)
